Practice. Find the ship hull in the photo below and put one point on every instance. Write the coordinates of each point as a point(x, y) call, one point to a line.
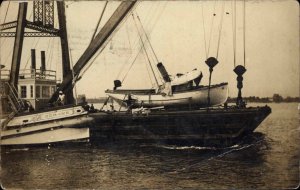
point(195, 97)
point(58, 125)
point(216, 127)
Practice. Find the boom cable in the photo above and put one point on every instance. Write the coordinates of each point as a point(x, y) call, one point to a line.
point(147, 37)
point(99, 21)
point(211, 28)
point(220, 28)
point(204, 36)
point(143, 45)
point(4, 21)
point(233, 8)
point(244, 30)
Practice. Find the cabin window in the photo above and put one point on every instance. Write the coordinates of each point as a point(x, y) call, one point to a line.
point(46, 91)
point(23, 91)
point(31, 91)
point(38, 91)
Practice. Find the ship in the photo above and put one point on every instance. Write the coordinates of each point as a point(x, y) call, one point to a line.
point(181, 90)
point(180, 110)
point(27, 118)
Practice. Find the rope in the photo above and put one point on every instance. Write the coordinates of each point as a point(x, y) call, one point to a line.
point(47, 50)
point(244, 28)
point(29, 55)
point(71, 62)
point(148, 71)
point(110, 37)
point(150, 31)
point(204, 36)
point(147, 37)
point(145, 51)
point(220, 29)
point(99, 21)
point(126, 27)
point(211, 28)
point(51, 54)
point(233, 8)
point(131, 65)
point(155, 10)
point(4, 21)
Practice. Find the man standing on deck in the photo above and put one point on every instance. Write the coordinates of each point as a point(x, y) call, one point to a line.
point(61, 99)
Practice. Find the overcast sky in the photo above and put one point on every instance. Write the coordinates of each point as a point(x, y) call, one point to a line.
point(176, 31)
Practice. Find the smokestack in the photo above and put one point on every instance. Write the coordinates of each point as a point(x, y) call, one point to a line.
point(43, 61)
point(163, 72)
point(33, 59)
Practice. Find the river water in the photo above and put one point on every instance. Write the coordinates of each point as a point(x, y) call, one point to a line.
point(269, 161)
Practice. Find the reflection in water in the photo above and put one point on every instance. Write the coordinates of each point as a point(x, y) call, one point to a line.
point(266, 159)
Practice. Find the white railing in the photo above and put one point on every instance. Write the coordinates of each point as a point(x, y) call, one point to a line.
point(37, 74)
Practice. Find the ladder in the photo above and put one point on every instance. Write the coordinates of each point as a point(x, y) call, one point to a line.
point(16, 104)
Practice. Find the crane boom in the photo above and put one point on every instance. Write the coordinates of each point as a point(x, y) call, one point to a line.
point(98, 42)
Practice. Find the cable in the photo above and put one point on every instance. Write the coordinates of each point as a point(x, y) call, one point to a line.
point(29, 55)
point(147, 37)
point(233, 8)
point(220, 29)
point(99, 21)
point(5, 20)
point(204, 36)
point(148, 72)
point(211, 28)
point(145, 51)
point(104, 45)
point(244, 33)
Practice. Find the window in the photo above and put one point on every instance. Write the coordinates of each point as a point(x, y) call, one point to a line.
point(23, 91)
point(46, 91)
point(53, 89)
point(31, 91)
point(37, 91)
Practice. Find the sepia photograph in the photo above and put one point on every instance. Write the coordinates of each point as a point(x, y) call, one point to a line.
point(149, 94)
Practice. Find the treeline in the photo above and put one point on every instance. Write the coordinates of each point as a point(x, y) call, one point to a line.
point(276, 98)
point(96, 100)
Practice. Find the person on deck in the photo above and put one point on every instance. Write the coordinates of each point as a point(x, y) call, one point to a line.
point(92, 109)
point(61, 99)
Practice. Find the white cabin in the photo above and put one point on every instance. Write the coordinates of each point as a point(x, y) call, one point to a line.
point(36, 86)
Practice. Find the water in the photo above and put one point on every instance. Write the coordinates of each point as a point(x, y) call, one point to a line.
point(270, 160)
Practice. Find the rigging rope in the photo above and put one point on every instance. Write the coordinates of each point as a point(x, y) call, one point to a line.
point(47, 50)
point(204, 36)
point(99, 21)
point(233, 8)
point(244, 29)
point(143, 45)
point(148, 21)
point(104, 46)
point(4, 21)
point(220, 28)
point(148, 71)
point(51, 54)
point(29, 54)
point(147, 37)
point(211, 28)
point(71, 62)
point(131, 65)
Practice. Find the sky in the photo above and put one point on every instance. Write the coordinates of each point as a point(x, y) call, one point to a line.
point(180, 32)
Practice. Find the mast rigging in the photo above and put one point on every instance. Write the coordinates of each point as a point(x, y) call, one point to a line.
point(143, 45)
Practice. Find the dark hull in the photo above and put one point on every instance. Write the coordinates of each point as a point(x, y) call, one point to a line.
point(198, 127)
